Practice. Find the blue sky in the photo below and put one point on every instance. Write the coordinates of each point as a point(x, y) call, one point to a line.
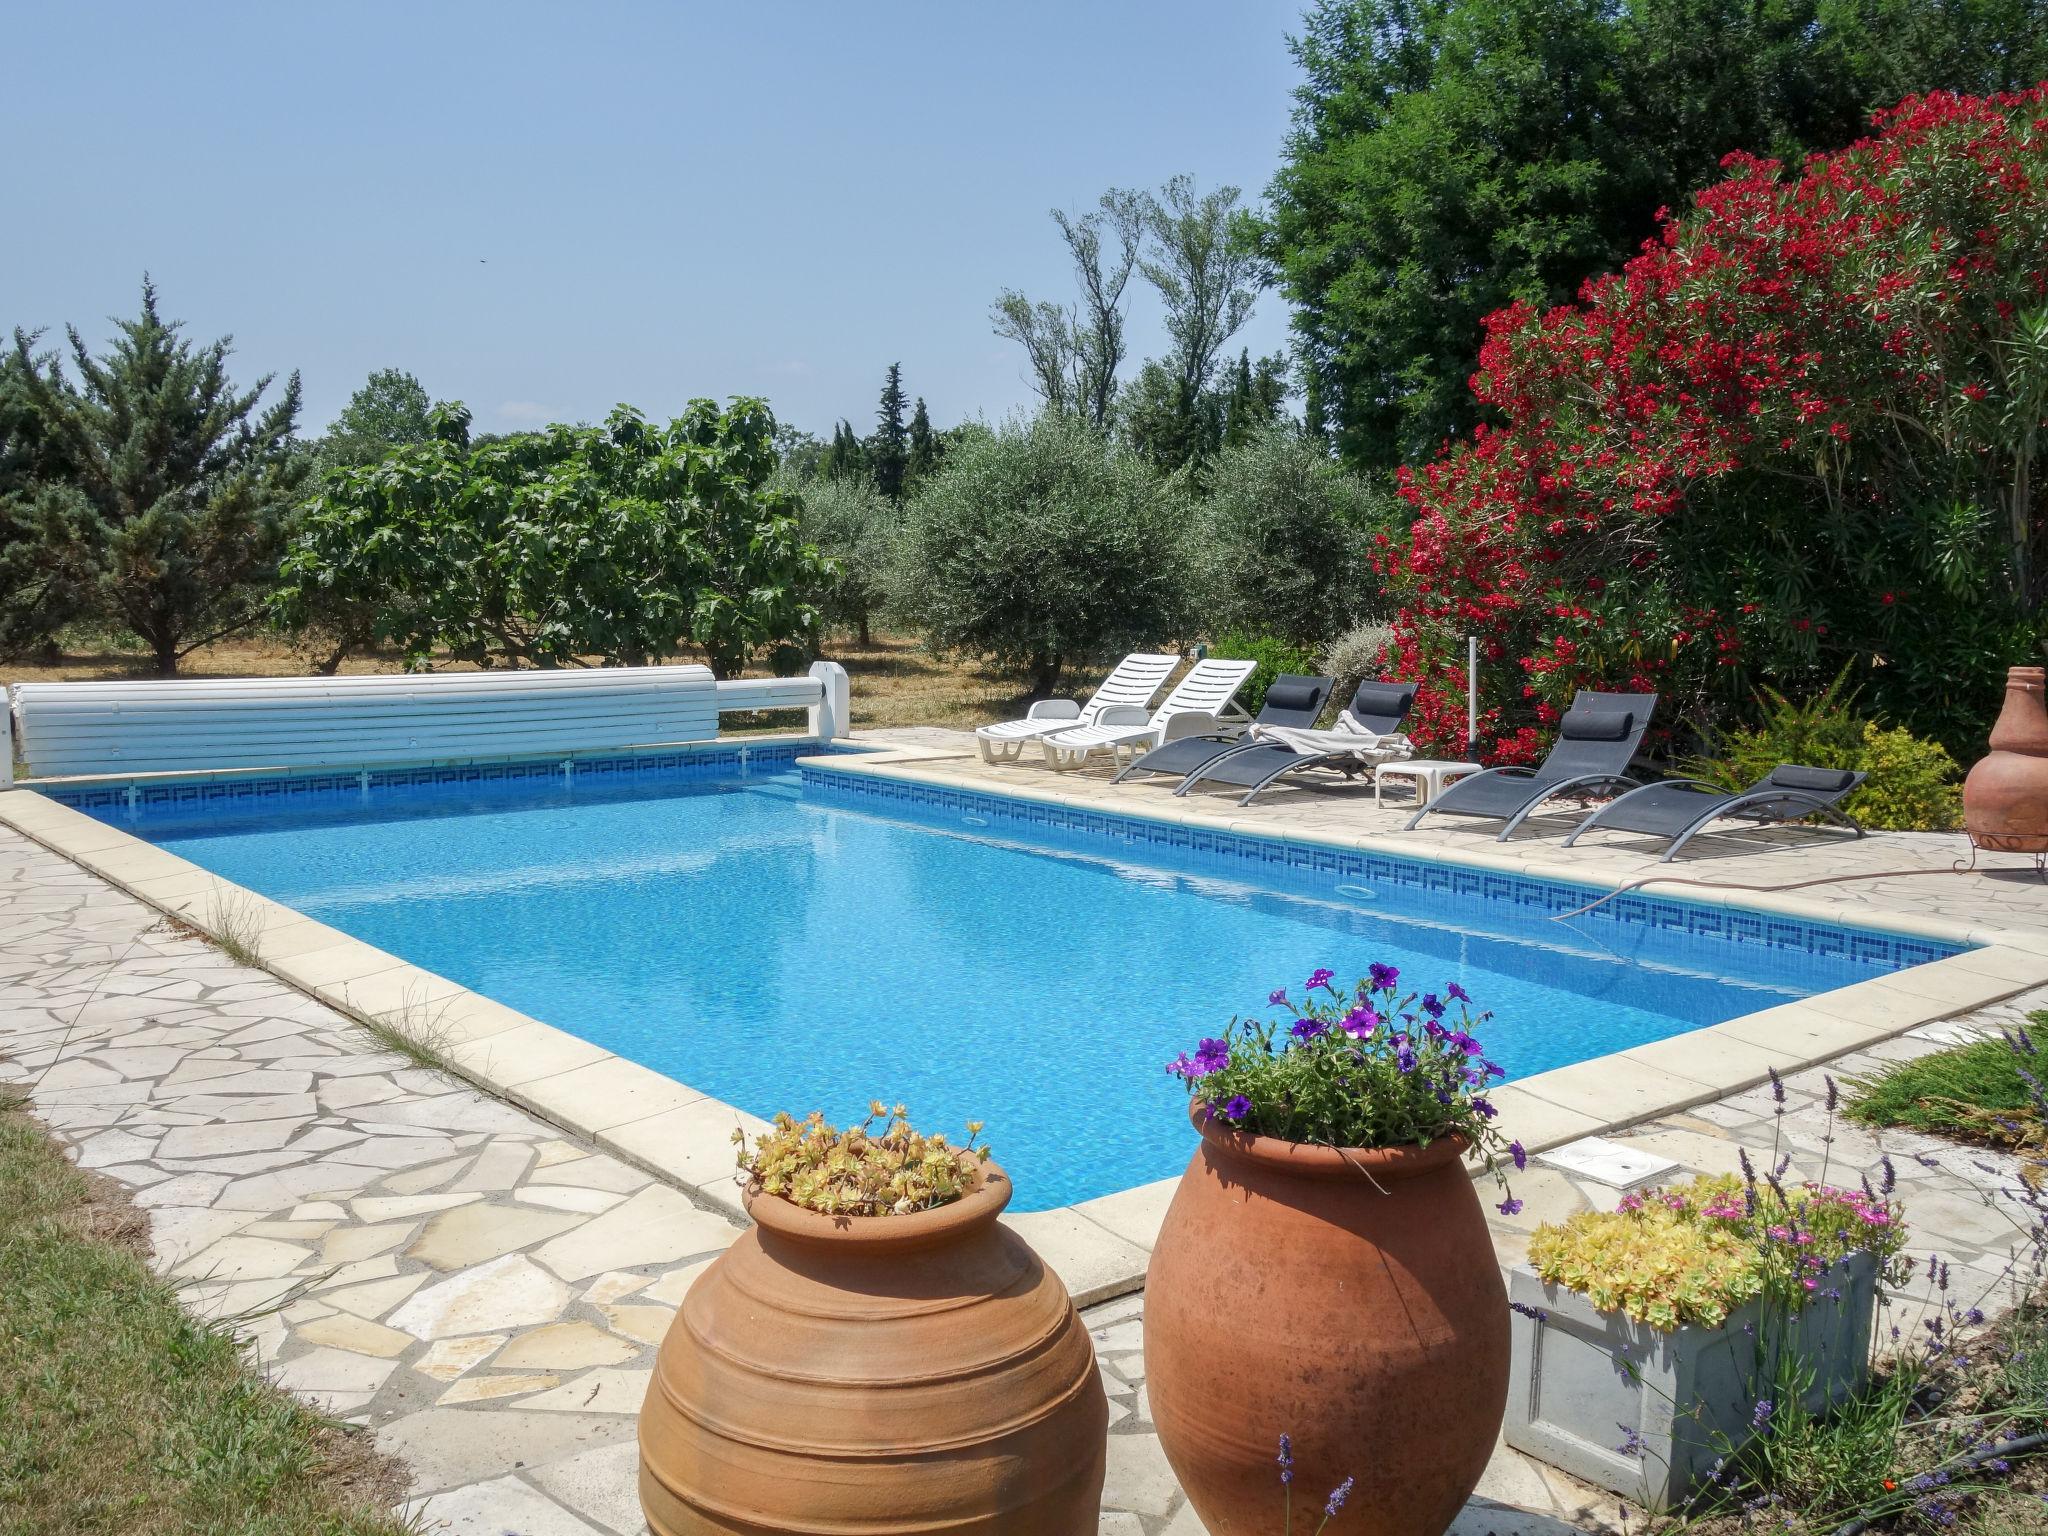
point(545, 209)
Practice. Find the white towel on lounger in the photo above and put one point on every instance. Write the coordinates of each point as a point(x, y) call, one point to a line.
point(1349, 736)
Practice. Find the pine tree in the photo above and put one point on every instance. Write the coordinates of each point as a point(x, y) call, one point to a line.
point(182, 487)
point(889, 448)
point(926, 447)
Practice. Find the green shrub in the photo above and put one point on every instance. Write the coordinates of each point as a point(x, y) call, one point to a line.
point(1273, 656)
point(1912, 785)
point(1041, 545)
point(1282, 540)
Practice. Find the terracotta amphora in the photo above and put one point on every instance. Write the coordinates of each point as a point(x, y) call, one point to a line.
point(870, 1374)
point(1349, 1299)
point(2005, 798)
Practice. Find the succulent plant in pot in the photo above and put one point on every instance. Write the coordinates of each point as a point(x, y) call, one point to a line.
point(1325, 1269)
point(876, 1353)
point(1652, 1341)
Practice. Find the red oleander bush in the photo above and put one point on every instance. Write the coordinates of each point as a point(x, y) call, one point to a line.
point(1802, 430)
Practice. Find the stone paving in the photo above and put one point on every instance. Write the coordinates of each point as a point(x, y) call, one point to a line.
point(486, 1293)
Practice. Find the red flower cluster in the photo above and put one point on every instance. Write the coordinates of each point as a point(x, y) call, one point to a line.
point(1744, 454)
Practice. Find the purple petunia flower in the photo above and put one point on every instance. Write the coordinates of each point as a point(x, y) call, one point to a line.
point(1521, 1156)
point(1277, 996)
point(1308, 1029)
point(1404, 1058)
point(1485, 1109)
point(1510, 1206)
point(1459, 993)
point(1360, 1022)
point(1321, 978)
point(1236, 1107)
point(1432, 1005)
point(1384, 977)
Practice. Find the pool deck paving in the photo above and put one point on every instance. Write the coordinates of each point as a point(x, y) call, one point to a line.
point(481, 1278)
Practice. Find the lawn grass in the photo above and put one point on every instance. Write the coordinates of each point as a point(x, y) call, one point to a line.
point(121, 1414)
point(1974, 1092)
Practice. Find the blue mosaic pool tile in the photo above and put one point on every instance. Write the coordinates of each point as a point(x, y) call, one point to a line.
point(1326, 869)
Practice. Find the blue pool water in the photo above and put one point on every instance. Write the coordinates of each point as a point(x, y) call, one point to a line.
point(782, 945)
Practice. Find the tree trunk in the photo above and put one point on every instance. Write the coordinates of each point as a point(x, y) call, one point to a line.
point(165, 650)
point(866, 639)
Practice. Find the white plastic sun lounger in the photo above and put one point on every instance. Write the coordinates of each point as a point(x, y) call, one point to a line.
point(1131, 684)
point(1201, 701)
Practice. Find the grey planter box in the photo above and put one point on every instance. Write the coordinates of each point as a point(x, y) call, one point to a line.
point(1693, 1390)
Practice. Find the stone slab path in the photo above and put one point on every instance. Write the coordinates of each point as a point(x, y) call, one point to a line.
point(486, 1293)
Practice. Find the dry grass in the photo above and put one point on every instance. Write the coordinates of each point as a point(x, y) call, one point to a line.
point(415, 1030)
point(121, 1414)
point(234, 924)
point(894, 681)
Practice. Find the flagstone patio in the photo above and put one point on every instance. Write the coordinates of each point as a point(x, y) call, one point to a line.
point(485, 1292)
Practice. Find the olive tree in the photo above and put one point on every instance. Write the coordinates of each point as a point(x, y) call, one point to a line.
point(1039, 545)
point(1282, 539)
point(853, 523)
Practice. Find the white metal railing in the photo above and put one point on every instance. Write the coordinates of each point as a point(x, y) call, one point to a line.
point(823, 692)
point(76, 729)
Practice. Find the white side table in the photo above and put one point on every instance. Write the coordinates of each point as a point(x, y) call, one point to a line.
point(1429, 775)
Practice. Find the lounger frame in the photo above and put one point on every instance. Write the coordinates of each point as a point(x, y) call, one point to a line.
point(1717, 805)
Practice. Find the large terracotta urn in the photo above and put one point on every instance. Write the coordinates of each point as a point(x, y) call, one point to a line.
point(1348, 1299)
point(860, 1374)
point(2005, 798)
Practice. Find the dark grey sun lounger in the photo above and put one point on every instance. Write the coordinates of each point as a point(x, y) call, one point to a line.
point(1596, 741)
point(1291, 700)
point(1257, 765)
point(1681, 809)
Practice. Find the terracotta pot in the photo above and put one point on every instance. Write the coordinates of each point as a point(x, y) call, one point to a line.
point(1349, 1299)
point(876, 1373)
point(2005, 798)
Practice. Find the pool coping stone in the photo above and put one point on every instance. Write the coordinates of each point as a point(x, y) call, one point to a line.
point(1100, 1246)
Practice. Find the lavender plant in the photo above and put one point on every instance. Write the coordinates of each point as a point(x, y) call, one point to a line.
point(1331, 1505)
point(1957, 1405)
point(1365, 1067)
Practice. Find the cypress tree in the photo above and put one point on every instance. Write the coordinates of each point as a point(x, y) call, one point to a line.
point(925, 446)
point(889, 448)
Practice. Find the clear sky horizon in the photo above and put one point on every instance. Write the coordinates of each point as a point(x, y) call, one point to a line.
point(545, 210)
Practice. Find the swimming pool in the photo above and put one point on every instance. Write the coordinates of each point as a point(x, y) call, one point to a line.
point(787, 940)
